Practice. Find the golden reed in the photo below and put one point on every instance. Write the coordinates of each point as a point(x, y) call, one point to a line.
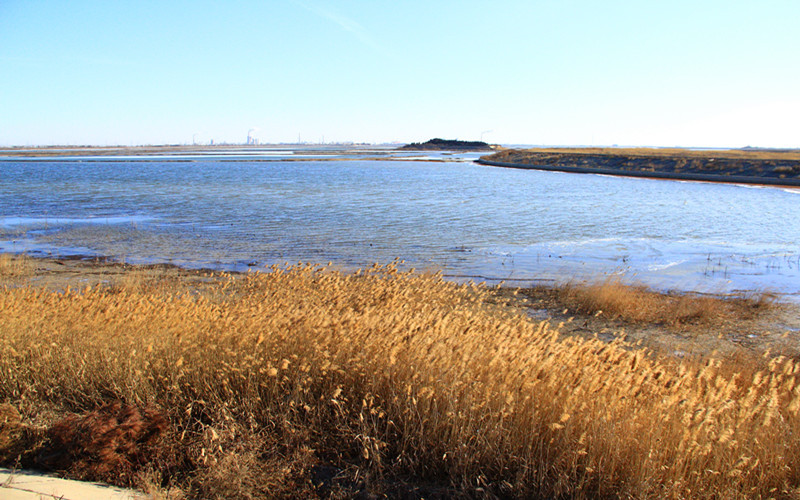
point(406, 375)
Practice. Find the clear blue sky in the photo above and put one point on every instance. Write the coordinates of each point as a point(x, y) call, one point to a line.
point(552, 72)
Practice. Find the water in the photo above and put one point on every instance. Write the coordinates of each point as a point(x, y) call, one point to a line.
point(468, 220)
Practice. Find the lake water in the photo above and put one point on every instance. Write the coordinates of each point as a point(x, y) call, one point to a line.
point(467, 220)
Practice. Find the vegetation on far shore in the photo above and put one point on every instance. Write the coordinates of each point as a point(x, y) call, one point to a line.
point(308, 382)
point(776, 165)
point(447, 145)
point(745, 153)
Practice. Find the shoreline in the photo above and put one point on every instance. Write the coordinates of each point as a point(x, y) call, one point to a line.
point(168, 149)
point(721, 179)
point(546, 279)
point(766, 168)
point(739, 331)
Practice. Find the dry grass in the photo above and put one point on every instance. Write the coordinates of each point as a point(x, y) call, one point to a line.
point(381, 376)
point(677, 153)
point(637, 304)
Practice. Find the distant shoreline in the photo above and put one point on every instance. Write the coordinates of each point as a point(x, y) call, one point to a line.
point(166, 150)
point(771, 168)
point(649, 175)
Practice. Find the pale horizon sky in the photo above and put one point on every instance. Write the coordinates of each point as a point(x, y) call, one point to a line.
point(546, 72)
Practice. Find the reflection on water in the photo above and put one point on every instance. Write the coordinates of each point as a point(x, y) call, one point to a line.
point(458, 217)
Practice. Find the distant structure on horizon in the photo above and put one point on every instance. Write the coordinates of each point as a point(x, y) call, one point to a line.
point(250, 139)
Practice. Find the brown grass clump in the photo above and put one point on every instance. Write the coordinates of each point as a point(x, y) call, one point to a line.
point(638, 304)
point(304, 381)
point(111, 441)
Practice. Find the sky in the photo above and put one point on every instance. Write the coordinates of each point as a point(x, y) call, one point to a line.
point(690, 73)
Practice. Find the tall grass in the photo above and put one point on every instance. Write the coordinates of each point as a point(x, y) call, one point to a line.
point(638, 304)
point(396, 376)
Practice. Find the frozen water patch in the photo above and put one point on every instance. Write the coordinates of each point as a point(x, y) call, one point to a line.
point(12, 222)
point(705, 266)
point(661, 267)
point(36, 248)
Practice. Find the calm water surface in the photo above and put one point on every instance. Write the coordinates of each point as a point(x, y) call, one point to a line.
point(462, 218)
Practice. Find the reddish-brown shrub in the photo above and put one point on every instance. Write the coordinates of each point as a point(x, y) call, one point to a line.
point(113, 440)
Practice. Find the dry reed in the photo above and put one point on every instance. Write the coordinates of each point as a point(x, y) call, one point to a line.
point(638, 304)
point(395, 376)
